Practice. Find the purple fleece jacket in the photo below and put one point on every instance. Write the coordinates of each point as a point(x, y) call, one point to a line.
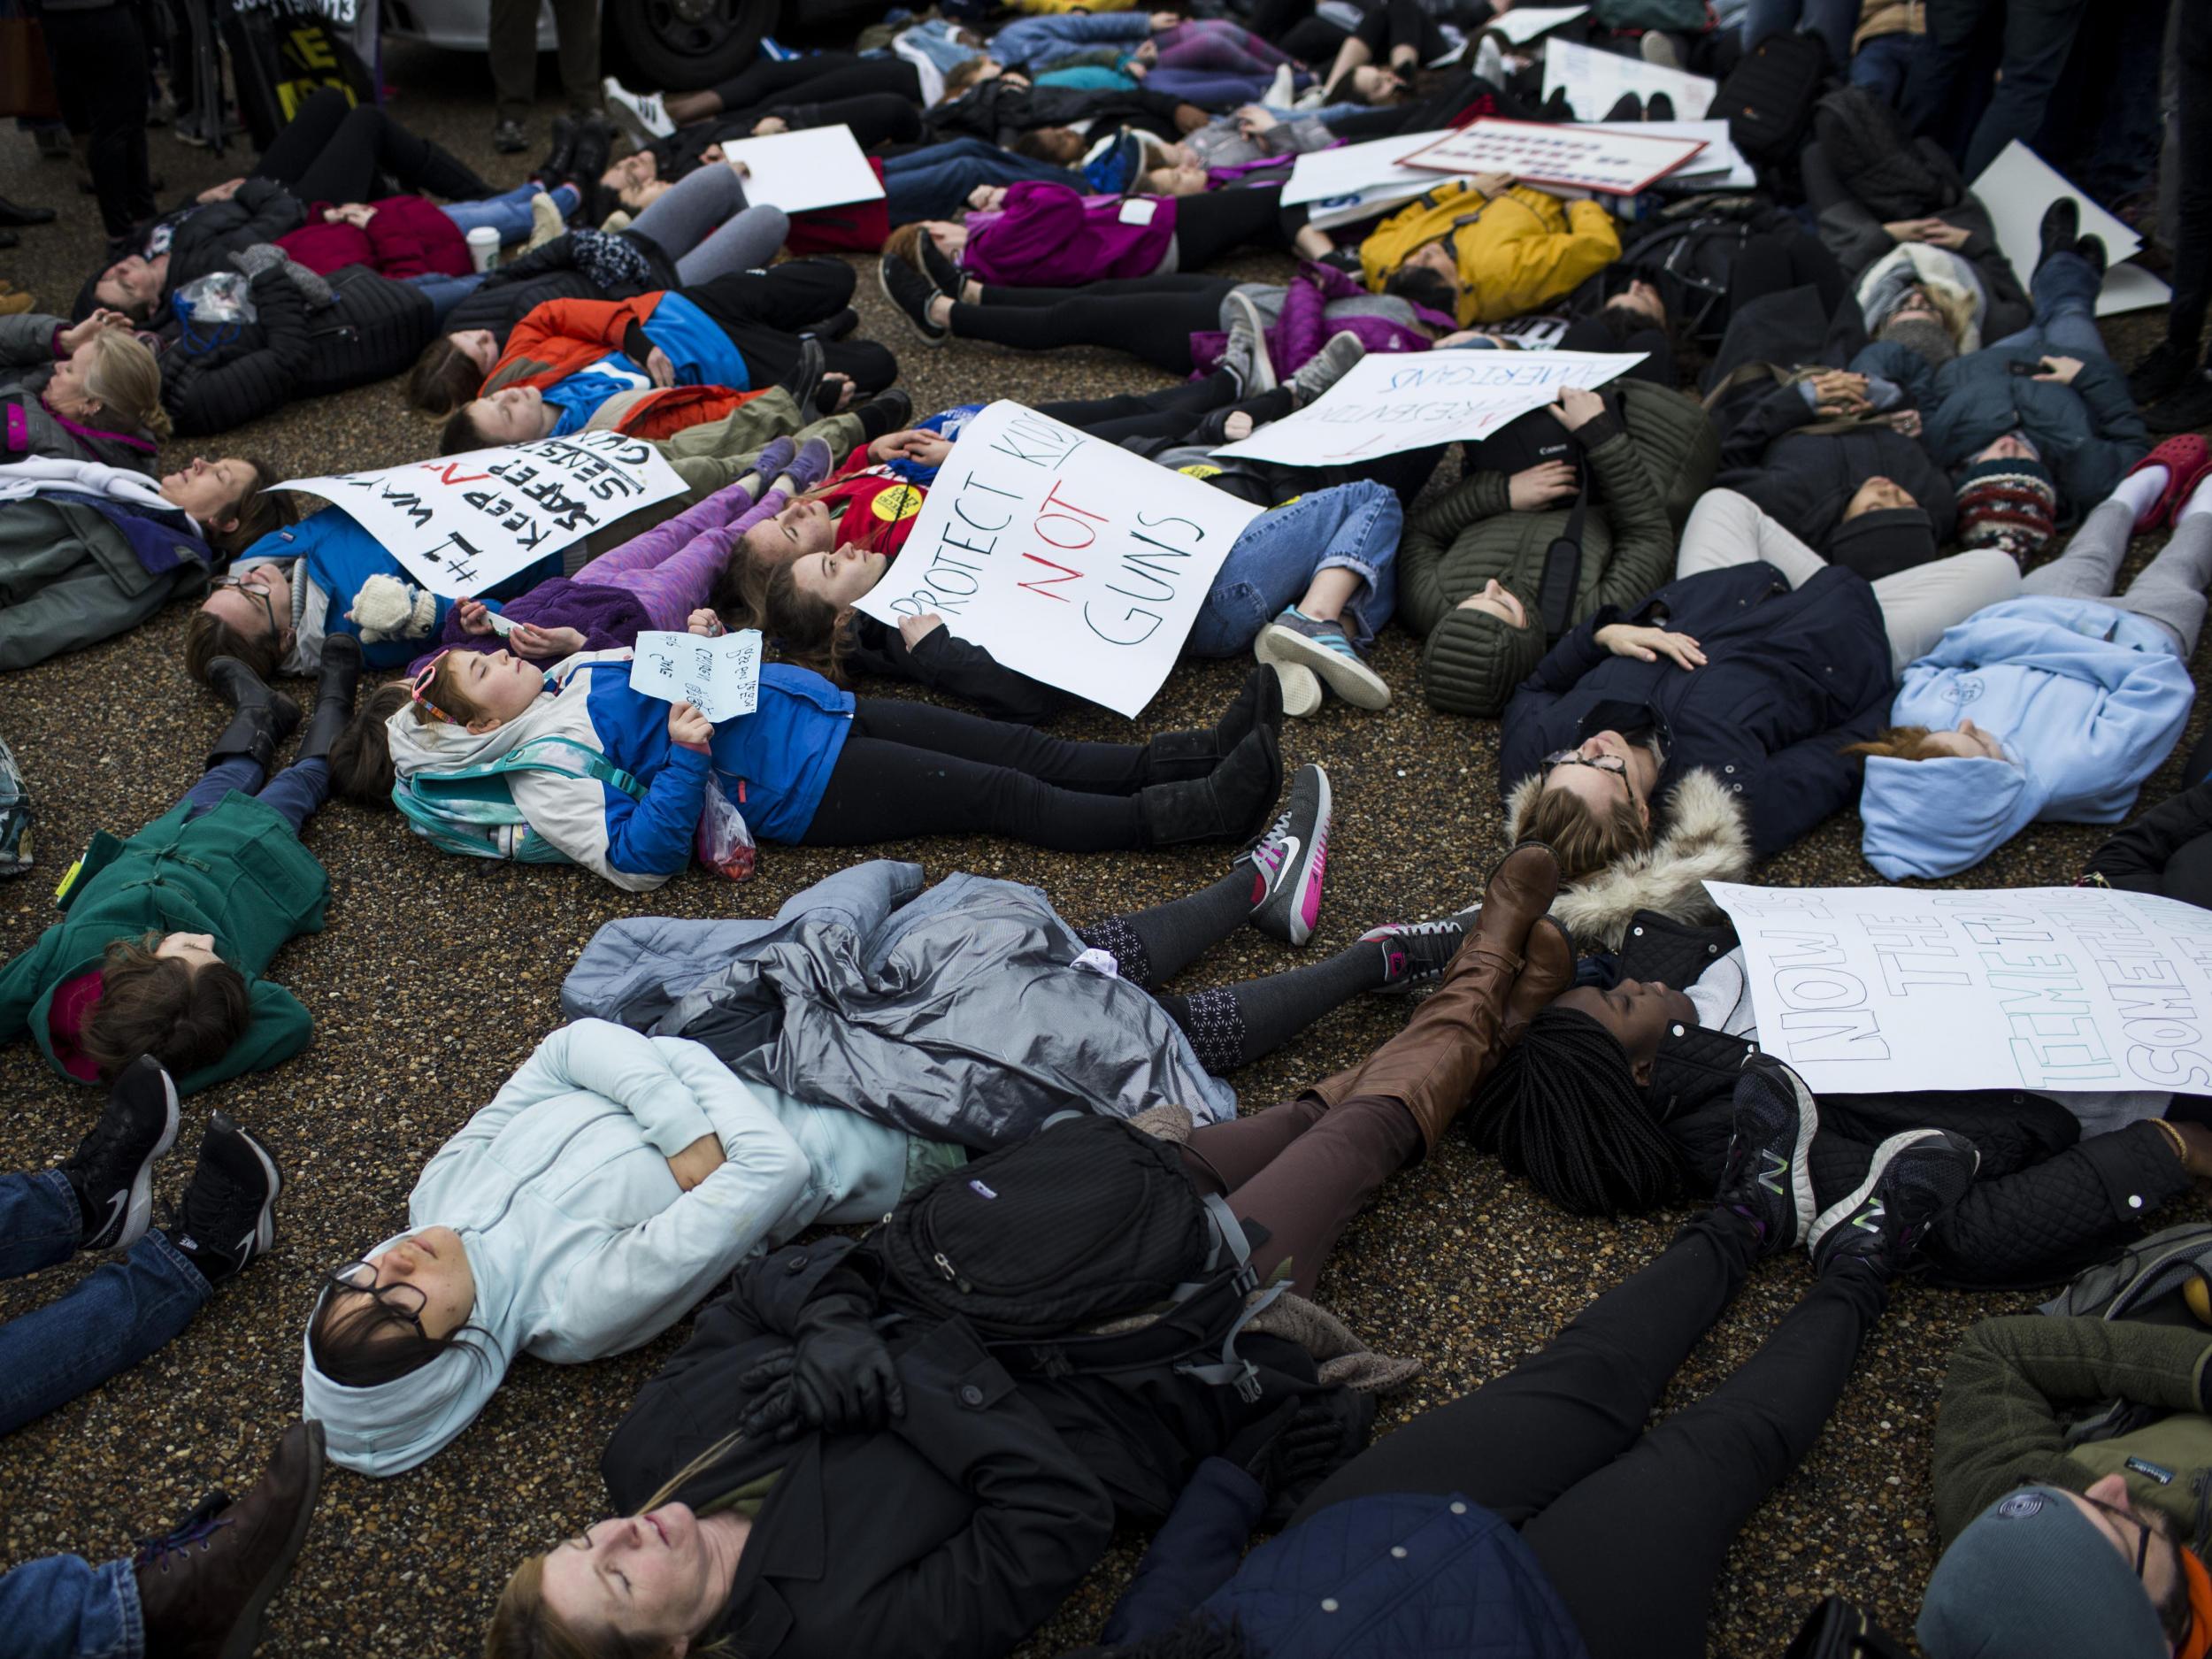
point(1305, 324)
point(608, 617)
point(1049, 236)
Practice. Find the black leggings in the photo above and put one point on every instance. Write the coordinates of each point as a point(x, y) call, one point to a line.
point(912, 769)
point(1168, 413)
point(1216, 222)
point(817, 77)
point(1152, 318)
point(880, 117)
point(333, 151)
point(1632, 1526)
point(763, 312)
point(99, 63)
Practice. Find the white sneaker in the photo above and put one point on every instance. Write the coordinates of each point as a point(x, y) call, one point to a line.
point(640, 114)
point(1282, 89)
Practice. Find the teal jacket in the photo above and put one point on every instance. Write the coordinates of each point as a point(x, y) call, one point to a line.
point(237, 872)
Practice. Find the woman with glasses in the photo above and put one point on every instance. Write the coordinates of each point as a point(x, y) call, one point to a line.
point(602, 1194)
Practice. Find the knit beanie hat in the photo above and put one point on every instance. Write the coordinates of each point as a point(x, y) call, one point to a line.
point(1882, 542)
point(1923, 336)
point(2009, 503)
point(2033, 1578)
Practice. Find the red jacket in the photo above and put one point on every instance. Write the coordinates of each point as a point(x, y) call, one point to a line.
point(563, 337)
point(406, 236)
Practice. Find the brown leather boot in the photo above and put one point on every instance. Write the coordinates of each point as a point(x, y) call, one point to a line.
point(1548, 968)
point(202, 1590)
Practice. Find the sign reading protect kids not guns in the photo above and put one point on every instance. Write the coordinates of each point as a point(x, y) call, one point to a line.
point(1068, 560)
point(464, 522)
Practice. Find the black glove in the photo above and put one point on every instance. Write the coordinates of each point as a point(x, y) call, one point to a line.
point(1292, 1449)
point(836, 1377)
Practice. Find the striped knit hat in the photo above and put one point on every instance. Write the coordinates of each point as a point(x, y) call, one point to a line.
point(2009, 503)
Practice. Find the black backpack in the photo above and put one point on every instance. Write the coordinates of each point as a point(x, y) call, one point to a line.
point(1087, 1222)
point(1769, 96)
point(1687, 253)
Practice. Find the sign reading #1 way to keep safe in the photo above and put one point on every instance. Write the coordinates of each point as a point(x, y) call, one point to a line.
point(1068, 560)
point(466, 523)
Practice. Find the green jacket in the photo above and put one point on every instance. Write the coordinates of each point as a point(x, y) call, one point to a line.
point(237, 872)
point(1645, 478)
point(2016, 1383)
point(69, 578)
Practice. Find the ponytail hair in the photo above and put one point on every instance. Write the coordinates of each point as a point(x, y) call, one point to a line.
point(126, 380)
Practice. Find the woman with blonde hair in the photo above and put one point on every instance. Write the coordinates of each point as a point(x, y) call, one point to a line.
point(89, 391)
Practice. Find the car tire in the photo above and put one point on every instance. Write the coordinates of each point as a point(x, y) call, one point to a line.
point(683, 45)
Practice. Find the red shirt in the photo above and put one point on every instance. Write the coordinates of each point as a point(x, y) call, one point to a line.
point(876, 510)
point(73, 1002)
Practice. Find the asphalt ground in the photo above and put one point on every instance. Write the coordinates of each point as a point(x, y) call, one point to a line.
point(435, 977)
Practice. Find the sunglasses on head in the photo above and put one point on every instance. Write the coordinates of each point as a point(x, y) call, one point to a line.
point(419, 687)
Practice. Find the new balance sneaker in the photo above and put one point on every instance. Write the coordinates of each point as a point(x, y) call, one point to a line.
point(203, 1589)
point(1247, 336)
point(229, 1216)
point(1324, 647)
point(641, 114)
point(1288, 862)
point(1416, 953)
point(112, 1168)
point(911, 292)
point(1326, 367)
point(1767, 1175)
point(1916, 1180)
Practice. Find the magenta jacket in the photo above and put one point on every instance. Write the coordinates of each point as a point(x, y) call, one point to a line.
point(408, 235)
point(1319, 303)
point(1047, 236)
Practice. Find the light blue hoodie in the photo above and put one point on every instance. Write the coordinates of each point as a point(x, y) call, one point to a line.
point(2086, 699)
point(582, 1243)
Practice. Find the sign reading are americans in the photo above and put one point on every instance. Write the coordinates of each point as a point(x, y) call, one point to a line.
point(1068, 559)
point(2058, 990)
point(467, 522)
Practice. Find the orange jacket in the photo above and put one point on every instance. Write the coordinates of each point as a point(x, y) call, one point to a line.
point(563, 337)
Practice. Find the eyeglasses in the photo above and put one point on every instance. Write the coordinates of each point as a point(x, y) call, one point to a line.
point(401, 1301)
point(2145, 1531)
point(1613, 763)
point(421, 685)
point(258, 593)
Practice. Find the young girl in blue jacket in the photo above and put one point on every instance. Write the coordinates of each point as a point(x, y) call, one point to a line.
point(811, 766)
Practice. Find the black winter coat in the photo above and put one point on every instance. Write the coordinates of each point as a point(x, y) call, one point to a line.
point(212, 380)
point(2167, 851)
point(1804, 480)
point(509, 292)
point(2045, 1204)
point(1002, 110)
point(205, 238)
point(1791, 677)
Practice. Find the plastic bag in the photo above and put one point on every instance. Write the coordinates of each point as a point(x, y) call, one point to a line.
point(723, 843)
point(222, 296)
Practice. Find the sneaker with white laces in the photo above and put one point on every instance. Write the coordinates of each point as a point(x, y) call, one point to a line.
point(641, 114)
point(1325, 648)
point(1244, 320)
point(1290, 859)
point(228, 1213)
point(911, 292)
point(112, 1169)
point(1416, 953)
point(1916, 1180)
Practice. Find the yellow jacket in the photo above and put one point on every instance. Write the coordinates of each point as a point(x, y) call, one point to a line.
point(1514, 251)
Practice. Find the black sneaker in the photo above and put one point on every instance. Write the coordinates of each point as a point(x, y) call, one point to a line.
point(943, 275)
point(911, 292)
point(1291, 859)
point(1767, 1175)
point(1916, 1180)
point(112, 1168)
point(229, 1216)
point(1416, 953)
point(508, 138)
point(2060, 230)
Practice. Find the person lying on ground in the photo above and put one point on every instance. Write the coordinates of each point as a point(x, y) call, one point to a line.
point(165, 935)
point(89, 551)
point(1492, 249)
point(87, 392)
point(1010, 1498)
point(2078, 692)
point(876, 121)
point(1512, 1518)
point(2165, 851)
point(813, 78)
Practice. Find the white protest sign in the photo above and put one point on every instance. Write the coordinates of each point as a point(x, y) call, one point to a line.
point(2060, 990)
point(1595, 82)
point(1719, 166)
point(720, 677)
point(2018, 187)
point(1390, 402)
point(822, 166)
point(1069, 560)
point(467, 522)
point(1613, 160)
point(1347, 170)
point(1523, 23)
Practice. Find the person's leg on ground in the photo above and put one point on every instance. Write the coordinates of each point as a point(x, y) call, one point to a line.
point(745, 242)
point(2038, 34)
point(1232, 1026)
point(241, 772)
point(298, 792)
point(2170, 589)
point(1727, 528)
point(1218, 222)
point(1154, 327)
point(63, 1606)
point(680, 216)
point(1918, 604)
point(1182, 402)
point(1106, 769)
point(303, 138)
point(1330, 555)
point(41, 1223)
point(1154, 944)
point(791, 297)
point(883, 791)
point(109, 1322)
point(2064, 288)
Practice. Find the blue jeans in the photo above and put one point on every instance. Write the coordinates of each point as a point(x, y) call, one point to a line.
point(508, 213)
point(296, 791)
point(1353, 527)
point(1891, 67)
point(2064, 291)
point(63, 1606)
point(444, 292)
point(934, 183)
point(107, 1324)
point(1833, 20)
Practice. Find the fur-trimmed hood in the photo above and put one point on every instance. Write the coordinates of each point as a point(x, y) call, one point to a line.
point(1705, 838)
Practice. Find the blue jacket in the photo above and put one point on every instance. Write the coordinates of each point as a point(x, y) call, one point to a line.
point(774, 764)
point(1043, 40)
point(2087, 701)
point(1791, 677)
point(1332, 1587)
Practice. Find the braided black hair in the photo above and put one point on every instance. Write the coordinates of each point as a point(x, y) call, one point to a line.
point(1563, 1110)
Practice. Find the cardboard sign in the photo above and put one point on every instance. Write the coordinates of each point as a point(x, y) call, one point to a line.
point(1069, 559)
point(821, 167)
point(1411, 401)
point(1595, 82)
point(2060, 990)
point(1608, 160)
point(2018, 186)
point(720, 677)
point(467, 522)
point(1330, 176)
point(1720, 166)
point(1523, 23)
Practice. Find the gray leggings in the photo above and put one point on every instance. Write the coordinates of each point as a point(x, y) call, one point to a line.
point(2170, 589)
point(681, 220)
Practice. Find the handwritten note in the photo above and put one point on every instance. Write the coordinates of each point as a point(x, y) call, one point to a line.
point(720, 677)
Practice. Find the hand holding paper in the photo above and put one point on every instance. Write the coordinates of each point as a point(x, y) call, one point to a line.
point(720, 678)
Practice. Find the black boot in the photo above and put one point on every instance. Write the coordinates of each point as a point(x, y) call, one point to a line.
point(1179, 756)
point(334, 688)
point(2061, 228)
point(1233, 803)
point(2091, 249)
point(263, 720)
point(805, 382)
point(595, 143)
point(560, 160)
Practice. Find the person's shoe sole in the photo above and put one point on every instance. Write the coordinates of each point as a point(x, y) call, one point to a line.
point(1347, 676)
point(245, 1635)
point(1301, 688)
point(1262, 365)
point(883, 285)
point(264, 1223)
point(1829, 1220)
point(1299, 914)
point(138, 1214)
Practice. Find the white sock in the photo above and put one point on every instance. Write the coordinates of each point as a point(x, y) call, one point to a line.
point(2138, 490)
point(2200, 501)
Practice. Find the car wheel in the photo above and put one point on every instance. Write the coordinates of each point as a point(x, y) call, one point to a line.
point(682, 45)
